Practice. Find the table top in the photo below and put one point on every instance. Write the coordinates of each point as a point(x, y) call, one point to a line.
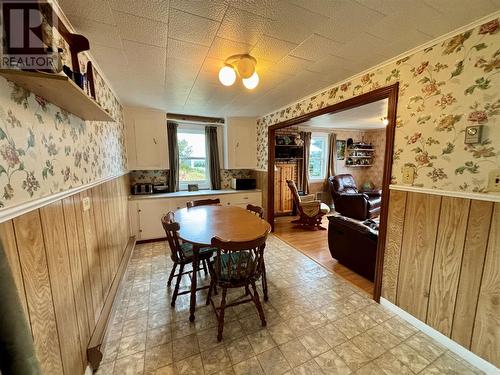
point(232, 223)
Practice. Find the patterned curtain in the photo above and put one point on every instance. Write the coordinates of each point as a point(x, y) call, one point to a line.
point(213, 156)
point(173, 156)
point(332, 154)
point(304, 166)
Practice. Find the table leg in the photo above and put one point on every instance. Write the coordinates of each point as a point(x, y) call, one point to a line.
point(192, 306)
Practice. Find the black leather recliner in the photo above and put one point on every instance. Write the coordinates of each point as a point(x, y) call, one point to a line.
point(350, 202)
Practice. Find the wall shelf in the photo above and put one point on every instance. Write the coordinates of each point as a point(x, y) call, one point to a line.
point(361, 149)
point(59, 90)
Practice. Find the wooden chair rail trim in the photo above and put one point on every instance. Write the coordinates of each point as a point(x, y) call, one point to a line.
point(95, 347)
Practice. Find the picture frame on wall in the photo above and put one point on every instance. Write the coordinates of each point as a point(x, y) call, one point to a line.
point(340, 146)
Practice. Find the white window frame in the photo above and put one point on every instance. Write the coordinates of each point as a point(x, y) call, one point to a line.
point(324, 159)
point(202, 184)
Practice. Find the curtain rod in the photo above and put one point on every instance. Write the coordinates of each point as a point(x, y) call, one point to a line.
point(195, 119)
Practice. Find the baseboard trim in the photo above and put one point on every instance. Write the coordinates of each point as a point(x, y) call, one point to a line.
point(152, 240)
point(456, 348)
point(95, 347)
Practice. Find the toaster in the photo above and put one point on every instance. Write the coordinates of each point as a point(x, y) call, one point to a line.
point(139, 189)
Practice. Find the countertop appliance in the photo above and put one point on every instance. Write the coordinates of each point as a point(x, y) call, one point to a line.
point(139, 189)
point(160, 189)
point(243, 183)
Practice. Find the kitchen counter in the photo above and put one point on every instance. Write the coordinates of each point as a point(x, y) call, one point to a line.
point(181, 194)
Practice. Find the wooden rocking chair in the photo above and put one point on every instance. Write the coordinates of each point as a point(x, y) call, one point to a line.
point(311, 211)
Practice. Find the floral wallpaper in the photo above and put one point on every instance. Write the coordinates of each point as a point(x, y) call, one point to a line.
point(227, 175)
point(45, 150)
point(443, 89)
point(155, 177)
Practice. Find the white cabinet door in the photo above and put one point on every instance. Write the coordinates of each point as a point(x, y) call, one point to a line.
point(147, 138)
point(242, 199)
point(240, 143)
point(150, 214)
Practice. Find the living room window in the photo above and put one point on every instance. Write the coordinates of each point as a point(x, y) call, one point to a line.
point(193, 166)
point(317, 156)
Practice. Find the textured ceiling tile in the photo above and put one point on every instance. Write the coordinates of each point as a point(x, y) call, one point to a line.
point(294, 32)
point(350, 19)
point(389, 7)
point(191, 28)
point(242, 26)
point(444, 15)
point(145, 61)
point(186, 51)
point(408, 41)
point(272, 49)
point(182, 73)
point(304, 23)
point(213, 9)
point(153, 9)
point(324, 7)
point(96, 10)
point(316, 47)
point(338, 38)
point(140, 29)
point(223, 48)
point(98, 33)
point(290, 65)
point(350, 52)
point(328, 64)
point(263, 8)
point(110, 58)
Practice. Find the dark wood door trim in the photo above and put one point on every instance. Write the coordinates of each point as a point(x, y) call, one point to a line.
point(387, 92)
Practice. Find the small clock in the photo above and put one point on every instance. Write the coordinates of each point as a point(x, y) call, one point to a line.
point(473, 134)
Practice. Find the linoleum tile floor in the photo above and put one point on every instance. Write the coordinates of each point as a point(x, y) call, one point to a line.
point(317, 323)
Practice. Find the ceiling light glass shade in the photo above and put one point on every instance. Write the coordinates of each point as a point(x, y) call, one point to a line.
point(252, 82)
point(227, 75)
point(246, 67)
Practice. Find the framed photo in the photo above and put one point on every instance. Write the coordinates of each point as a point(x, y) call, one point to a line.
point(340, 146)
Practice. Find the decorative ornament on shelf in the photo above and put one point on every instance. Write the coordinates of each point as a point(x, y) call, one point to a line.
point(244, 65)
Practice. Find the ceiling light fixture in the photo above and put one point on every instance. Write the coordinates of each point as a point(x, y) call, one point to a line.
point(385, 121)
point(244, 65)
point(227, 75)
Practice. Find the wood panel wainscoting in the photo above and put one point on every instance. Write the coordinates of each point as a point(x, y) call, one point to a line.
point(441, 265)
point(67, 263)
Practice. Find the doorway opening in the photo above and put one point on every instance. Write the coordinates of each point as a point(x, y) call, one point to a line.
point(360, 158)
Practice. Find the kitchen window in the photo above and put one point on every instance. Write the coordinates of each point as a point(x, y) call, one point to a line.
point(317, 156)
point(193, 163)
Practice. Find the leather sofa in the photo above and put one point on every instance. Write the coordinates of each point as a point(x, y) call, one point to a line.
point(352, 203)
point(353, 244)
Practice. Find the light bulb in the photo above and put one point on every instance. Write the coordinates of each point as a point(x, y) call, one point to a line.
point(227, 75)
point(385, 121)
point(252, 82)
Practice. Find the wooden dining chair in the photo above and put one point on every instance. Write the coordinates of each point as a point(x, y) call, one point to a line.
point(182, 254)
point(259, 211)
point(256, 210)
point(203, 202)
point(236, 265)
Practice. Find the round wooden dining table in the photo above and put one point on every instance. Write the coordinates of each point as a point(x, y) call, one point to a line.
point(198, 225)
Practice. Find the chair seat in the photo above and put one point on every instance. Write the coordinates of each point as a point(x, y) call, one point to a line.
point(233, 258)
point(187, 250)
point(323, 208)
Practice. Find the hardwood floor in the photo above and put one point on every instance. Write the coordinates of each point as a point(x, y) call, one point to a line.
point(314, 244)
